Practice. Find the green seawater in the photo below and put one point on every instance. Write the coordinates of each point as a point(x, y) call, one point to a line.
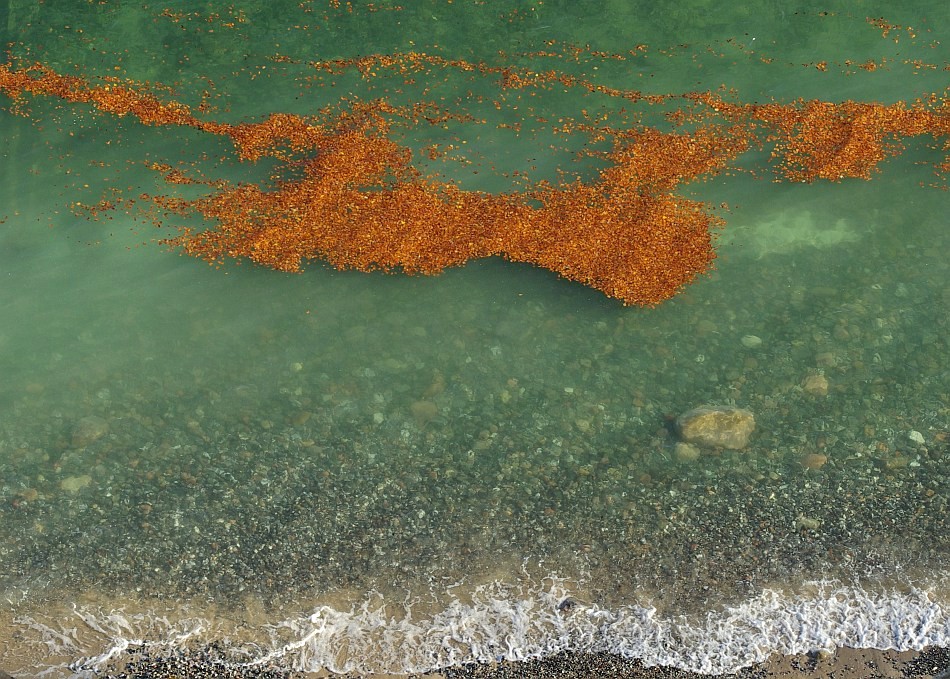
point(493, 445)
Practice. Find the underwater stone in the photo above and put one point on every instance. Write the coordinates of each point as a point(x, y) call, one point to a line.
point(815, 385)
point(88, 430)
point(685, 452)
point(73, 484)
point(718, 426)
point(751, 341)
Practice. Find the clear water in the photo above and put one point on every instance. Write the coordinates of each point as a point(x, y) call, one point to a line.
point(382, 473)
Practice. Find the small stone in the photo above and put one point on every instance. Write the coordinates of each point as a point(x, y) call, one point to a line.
point(751, 341)
point(718, 426)
point(88, 430)
point(814, 461)
point(424, 411)
point(685, 452)
point(437, 386)
point(916, 436)
point(897, 462)
point(28, 495)
point(807, 523)
point(73, 484)
point(841, 333)
point(815, 385)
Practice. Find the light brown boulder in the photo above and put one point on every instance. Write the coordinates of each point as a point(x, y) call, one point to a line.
point(716, 426)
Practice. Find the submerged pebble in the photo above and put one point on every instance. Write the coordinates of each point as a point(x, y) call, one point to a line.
point(815, 385)
point(685, 452)
point(73, 484)
point(751, 341)
point(89, 430)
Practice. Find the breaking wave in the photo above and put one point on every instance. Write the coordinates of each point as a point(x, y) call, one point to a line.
point(501, 622)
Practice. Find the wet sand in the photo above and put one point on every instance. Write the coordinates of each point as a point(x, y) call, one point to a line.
point(845, 663)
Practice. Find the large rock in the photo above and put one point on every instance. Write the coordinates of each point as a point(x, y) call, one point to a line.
point(718, 426)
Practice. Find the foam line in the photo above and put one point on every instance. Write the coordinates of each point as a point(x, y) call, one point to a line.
point(723, 641)
point(500, 622)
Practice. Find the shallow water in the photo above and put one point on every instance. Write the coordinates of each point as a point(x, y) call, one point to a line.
point(384, 473)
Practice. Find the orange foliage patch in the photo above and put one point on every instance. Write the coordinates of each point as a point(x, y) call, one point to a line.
point(361, 203)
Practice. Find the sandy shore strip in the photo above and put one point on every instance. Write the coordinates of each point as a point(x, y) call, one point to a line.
point(845, 663)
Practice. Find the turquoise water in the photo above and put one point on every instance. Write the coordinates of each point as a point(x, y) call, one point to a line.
point(383, 473)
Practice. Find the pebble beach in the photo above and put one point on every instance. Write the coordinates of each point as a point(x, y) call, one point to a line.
point(846, 663)
point(232, 471)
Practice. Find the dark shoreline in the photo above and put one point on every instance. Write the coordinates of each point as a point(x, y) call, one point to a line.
point(846, 663)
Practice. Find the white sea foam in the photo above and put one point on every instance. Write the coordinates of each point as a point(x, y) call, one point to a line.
point(499, 622)
point(95, 637)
